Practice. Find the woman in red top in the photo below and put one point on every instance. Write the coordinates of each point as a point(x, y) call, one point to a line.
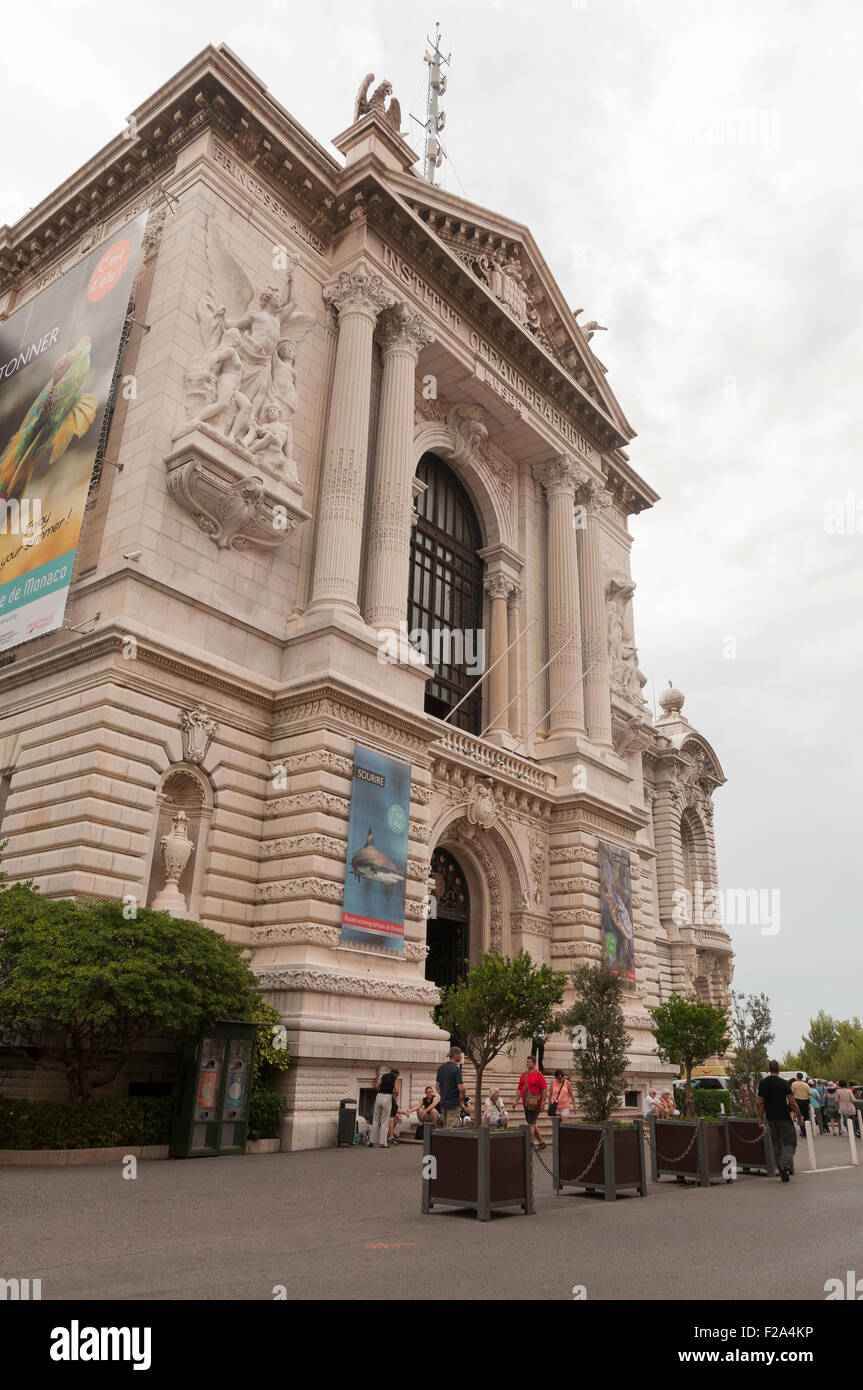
point(531, 1092)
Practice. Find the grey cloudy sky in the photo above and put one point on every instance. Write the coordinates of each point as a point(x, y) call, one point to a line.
point(691, 172)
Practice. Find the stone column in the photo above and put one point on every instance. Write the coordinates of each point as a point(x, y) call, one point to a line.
point(597, 693)
point(566, 699)
point(403, 334)
point(499, 588)
point(358, 295)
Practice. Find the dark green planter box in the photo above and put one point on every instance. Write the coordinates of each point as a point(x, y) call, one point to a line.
point(619, 1164)
point(478, 1170)
point(672, 1150)
point(750, 1145)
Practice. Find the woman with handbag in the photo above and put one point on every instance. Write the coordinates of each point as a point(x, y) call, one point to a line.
point(562, 1099)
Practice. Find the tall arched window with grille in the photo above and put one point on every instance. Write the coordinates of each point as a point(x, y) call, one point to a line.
point(445, 594)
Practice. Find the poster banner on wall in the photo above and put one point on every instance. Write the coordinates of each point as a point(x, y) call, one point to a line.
point(373, 909)
point(57, 360)
point(615, 887)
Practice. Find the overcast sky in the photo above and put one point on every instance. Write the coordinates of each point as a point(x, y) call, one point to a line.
point(691, 172)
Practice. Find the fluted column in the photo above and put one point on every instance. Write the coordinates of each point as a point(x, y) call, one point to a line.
point(597, 694)
point(358, 295)
point(403, 334)
point(566, 700)
point(499, 588)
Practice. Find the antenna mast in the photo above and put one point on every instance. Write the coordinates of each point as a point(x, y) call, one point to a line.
point(435, 118)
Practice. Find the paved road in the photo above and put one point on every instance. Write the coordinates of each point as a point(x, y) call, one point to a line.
point(346, 1224)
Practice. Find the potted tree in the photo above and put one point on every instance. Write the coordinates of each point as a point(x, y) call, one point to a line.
point(687, 1032)
point(501, 1000)
point(595, 1154)
point(751, 1027)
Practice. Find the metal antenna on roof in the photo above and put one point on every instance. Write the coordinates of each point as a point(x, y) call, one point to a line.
point(435, 118)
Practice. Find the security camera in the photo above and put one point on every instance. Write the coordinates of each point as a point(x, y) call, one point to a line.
point(132, 554)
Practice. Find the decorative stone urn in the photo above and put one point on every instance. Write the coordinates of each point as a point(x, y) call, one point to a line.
point(176, 849)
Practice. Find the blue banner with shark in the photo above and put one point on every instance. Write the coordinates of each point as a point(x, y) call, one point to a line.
point(373, 909)
point(58, 354)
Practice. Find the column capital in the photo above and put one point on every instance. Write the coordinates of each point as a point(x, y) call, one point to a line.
point(593, 494)
point(562, 476)
point(499, 586)
point(358, 290)
point(402, 329)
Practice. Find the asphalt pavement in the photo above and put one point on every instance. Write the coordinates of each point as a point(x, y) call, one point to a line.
point(346, 1224)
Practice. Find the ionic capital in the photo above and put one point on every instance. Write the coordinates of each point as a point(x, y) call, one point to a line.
point(358, 291)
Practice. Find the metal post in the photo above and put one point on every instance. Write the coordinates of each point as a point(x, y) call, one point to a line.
point(810, 1144)
point(530, 1208)
point(608, 1160)
point(768, 1152)
point(483, 1174)
point(654, 1166)
point(555, 1153)
point(642, 1171)
point(849, 1124)
point(427, 1197)
point(701, 1150)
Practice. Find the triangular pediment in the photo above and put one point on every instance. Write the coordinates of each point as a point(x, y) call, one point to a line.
point(504, 257)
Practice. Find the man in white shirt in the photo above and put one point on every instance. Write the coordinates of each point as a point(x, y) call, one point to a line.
point(649, 1104)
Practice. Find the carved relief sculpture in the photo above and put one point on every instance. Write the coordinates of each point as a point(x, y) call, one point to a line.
point(627, 679)
point(198, 732)
point(244, 386)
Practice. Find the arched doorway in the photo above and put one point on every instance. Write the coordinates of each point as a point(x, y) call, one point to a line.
point(445, 593)
point(448, 924)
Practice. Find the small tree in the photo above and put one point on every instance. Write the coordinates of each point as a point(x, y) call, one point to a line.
point(815, 1056)
point(687, 1032)
point(751, 1026)
point(100, 983)
point(502, 999)
point(600, 1064)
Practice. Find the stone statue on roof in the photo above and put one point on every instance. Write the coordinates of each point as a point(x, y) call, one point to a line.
point(364, 103)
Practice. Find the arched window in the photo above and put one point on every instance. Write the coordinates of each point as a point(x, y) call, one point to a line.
point(445, 594)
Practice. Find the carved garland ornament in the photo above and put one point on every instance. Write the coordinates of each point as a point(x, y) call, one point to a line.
point(306, 978)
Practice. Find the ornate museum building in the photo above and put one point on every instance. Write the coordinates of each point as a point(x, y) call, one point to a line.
point(363, 485)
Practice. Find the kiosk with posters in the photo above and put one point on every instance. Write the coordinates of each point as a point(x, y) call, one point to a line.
point(212, 1115)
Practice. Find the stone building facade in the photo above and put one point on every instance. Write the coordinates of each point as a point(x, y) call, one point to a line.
point(416, 428)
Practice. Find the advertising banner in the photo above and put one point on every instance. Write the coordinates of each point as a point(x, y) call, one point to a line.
point(615, 886)
point(373, 909)
point(57, 360)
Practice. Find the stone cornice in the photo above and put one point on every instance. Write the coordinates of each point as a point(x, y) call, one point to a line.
point(214, 91)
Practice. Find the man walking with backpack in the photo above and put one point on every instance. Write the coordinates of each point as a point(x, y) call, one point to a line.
point(774, 1099)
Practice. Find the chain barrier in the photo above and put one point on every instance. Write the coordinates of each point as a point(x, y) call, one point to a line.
point(585, 1170)
point(740, 1139)
point(665, 1158)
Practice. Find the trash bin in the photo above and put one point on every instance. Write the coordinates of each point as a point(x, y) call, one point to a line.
point(347, 1121)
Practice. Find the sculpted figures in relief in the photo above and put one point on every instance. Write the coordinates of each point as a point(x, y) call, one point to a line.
point(243, 388)
point(626, 677)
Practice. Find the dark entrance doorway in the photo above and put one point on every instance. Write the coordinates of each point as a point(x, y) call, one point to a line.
point(448, 924)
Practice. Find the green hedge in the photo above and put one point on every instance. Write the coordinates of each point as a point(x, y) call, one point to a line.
point(265, 1114)
point(85, 1124)
point(706, 1103)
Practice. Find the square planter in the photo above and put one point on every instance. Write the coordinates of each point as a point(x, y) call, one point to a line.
point(750, 1145)
point(600, 1158)
point(687, 1149)
point(475, 1169)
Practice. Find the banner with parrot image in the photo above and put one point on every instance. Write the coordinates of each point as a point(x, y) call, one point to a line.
point(57, 360)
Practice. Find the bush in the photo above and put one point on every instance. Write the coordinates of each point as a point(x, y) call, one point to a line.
point(265, 1113)
point(706, 1103)
point(85, 1124)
